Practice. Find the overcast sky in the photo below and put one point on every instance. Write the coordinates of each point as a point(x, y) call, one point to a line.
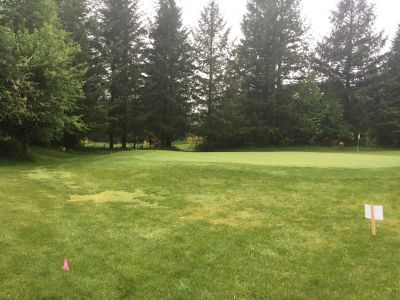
point(316, 12)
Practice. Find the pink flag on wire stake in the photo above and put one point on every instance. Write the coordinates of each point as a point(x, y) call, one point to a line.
point(65, 267)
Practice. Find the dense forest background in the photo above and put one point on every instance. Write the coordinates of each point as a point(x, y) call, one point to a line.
point(72, 70)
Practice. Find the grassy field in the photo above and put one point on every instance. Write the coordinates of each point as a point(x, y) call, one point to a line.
point(175, 225)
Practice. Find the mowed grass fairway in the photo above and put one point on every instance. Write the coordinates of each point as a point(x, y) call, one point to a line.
point(174, 225)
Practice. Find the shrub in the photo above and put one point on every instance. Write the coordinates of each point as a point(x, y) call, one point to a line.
point(195, 141)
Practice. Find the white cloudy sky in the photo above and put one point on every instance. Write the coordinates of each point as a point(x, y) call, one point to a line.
point(316, 13)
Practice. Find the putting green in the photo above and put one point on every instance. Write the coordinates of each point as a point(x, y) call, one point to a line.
point(290, 159)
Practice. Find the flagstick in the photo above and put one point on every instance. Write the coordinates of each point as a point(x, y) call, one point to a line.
point(373, 225)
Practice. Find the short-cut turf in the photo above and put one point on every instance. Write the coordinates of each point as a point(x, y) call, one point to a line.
point(173, 225)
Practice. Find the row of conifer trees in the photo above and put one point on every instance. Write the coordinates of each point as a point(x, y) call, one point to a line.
point(74, 69)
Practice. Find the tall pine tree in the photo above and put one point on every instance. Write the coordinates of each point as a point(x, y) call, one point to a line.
point(212, 54)
point(124, 39)
point(74, 17)
point(271, 55)
point(350, 57)
point(387, 113)
point(27, 14)
point(170, 75)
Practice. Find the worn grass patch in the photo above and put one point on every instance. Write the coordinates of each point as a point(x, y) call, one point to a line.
point(42, 174)
point(115, 196)
point(108, 196)
point(170, 225)
point(45, 174)
point(241, 219)
point(225, 210)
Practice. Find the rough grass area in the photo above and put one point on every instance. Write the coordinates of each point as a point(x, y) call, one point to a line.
point(171, 225)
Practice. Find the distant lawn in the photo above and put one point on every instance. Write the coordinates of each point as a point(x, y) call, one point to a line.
point(177, 225)
point(184, 146)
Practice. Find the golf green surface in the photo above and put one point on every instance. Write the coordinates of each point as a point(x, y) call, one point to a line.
point(178, 225)
point(287, 159)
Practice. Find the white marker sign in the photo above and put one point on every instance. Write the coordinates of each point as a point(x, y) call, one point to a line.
point(378, 212)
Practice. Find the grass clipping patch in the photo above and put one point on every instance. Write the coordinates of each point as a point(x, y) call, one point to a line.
point(115, 196)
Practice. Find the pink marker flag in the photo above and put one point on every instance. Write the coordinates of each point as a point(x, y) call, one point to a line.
point(65, 267)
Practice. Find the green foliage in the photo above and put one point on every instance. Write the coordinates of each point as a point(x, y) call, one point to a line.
point(12, 80)
point(66, 63)
point(123, 40)
point(169, 85)
point(212, 53)
point(387, 118)
point(73, 16)
point(273, 47)
point(350, 59)
point(95, 105)
point(27, 14)
point(318, 118)
point(271, 55)
point(58, 80)
point(43, 84)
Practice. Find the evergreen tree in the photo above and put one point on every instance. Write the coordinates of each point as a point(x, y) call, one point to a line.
point(27, 14)
point(74, 16)
point(124, 43)
point(170, 75)
point(95, 106)
point(350, 58)
point(387, 113)
point(317, 118)
point(272, 54)
point(212, 53)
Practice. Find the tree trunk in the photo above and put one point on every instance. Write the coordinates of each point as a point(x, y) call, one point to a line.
point(124, 125)
point(25, 147)
point(162, 141)
point(111, 141)
point(348, 101)
point(123, 141)
point(168, 142)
